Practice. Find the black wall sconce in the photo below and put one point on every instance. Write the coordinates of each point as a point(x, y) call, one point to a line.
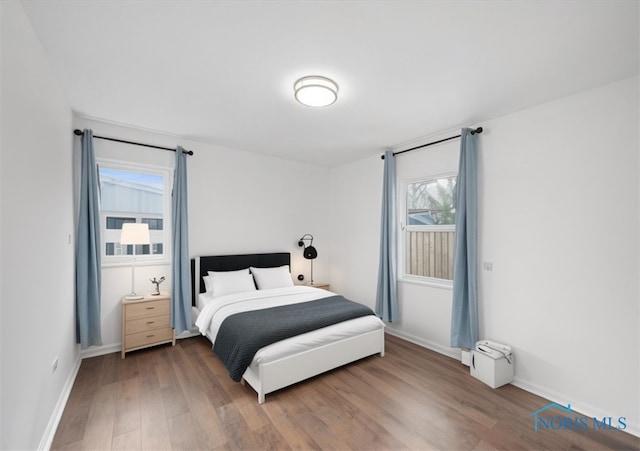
point(309, 252)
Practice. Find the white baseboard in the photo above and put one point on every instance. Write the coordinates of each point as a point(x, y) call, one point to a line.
point(585, 409)
point(56, 415)
point(552, 396)
point(445, 350)
point(581, 407)
point(188, 334)
point(95, 351)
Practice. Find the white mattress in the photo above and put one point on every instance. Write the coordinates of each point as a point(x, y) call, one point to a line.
point(213, 311)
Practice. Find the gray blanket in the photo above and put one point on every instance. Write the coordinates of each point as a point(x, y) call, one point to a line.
point(241, 335)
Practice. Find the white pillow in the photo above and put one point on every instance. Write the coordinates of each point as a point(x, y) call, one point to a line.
point(268, 278)
point(207, 284)
point(229, 282)
point(239, 271)
point(207, 279)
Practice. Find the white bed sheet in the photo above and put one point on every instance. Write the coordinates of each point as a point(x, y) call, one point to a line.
point(214, 311)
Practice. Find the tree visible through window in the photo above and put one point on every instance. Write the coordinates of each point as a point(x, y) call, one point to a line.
point(430, 227)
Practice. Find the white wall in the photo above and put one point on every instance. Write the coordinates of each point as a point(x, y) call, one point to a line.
point(36, 232)
point(560, 223)
point(559, 197)
point(421, 304)
point(567, 304)
point(356, 192)
point(1, 236)
point(424, 311)
point(239, 202)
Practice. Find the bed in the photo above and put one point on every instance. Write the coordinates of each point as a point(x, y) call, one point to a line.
point(292, 359)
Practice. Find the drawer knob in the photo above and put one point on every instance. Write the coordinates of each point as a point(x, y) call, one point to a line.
point(150, 322)
point(149, 336)
point(150, 308)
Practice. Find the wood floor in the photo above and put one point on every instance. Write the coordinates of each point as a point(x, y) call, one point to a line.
point(181, 398)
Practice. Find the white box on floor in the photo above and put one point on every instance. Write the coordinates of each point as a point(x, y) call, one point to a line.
point(492, 363)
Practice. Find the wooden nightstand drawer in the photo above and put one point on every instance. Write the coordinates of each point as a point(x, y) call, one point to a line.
point(148, 337)
point(144, 324)
point(147, 309)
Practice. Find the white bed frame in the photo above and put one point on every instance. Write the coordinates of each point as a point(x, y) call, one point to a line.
point(269, 377)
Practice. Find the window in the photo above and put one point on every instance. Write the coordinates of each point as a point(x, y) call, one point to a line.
point(154, 223)
point(429, 227)
point(116, 223)
point(133, 193)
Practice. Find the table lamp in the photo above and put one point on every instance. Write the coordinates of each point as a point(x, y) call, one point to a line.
point(134, 233)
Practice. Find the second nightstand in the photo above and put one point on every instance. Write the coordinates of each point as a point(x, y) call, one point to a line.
point(324, 286)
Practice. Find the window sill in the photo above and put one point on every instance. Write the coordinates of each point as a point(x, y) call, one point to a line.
point(119, 263)
point(427, 282)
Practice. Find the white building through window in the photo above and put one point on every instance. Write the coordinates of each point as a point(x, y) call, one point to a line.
point(131, 193)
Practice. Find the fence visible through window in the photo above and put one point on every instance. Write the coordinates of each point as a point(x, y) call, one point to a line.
point(430, 227)
point(430, 254)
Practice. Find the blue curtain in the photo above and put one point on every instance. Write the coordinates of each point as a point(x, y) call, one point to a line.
point(88, 276)
point(464, 313)
point(181, 281)
point(386, 298)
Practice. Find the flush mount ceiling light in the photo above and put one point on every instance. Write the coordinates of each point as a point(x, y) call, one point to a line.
point(315, 90)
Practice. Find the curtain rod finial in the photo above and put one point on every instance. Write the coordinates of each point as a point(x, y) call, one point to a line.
point(78, 132)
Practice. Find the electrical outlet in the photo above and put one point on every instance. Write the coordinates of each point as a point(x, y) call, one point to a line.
point(54, 366)
point(488, 266)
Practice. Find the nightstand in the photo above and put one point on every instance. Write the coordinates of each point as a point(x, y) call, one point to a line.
point(145, 322)
point(324, 286)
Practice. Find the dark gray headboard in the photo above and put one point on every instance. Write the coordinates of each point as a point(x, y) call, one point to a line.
point(232, 263)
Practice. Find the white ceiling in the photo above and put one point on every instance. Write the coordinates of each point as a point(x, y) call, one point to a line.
point(222, 72)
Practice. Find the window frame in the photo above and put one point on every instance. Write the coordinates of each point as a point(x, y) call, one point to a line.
point(404, 228)
point(141, 259)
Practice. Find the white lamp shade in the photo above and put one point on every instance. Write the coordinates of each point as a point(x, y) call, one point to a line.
point(316, 91)
point(135, 233)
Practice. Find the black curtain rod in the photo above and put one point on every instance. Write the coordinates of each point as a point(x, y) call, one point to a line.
point(473, 132)
point(80, 133)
